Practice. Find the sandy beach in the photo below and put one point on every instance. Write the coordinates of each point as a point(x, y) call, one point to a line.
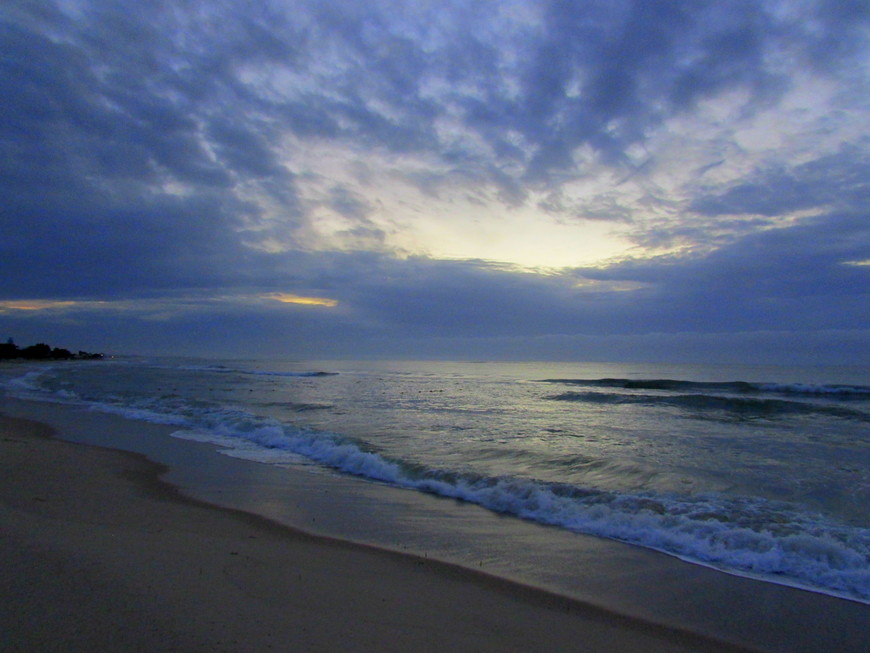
point(100, 554)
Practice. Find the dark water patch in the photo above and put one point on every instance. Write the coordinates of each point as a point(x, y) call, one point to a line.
point(743, 407)
point(288, 374)
point(836, 391)
point(295, 407)
point(223, 369)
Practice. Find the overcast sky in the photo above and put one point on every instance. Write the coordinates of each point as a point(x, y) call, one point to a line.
point(581, 180)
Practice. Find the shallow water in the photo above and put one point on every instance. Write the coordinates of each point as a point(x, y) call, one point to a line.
point(758, 471)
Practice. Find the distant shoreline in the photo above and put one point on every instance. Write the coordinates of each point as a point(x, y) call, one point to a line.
point(41, 351)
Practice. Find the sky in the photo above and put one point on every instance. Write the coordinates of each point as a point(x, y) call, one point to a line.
point(626, 180)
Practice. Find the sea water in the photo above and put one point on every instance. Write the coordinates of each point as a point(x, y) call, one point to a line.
point(757, 471)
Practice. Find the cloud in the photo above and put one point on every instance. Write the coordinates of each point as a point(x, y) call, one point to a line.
point(795, 278)
point(838, 179)
point(34, 305)
point(655, 167)
point(289, 298)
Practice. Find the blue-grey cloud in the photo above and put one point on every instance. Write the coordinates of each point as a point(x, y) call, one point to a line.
point(839, 179)
point(797, 278)
point(149, 151)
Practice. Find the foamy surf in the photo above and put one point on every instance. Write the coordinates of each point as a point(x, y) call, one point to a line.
point(744, 536)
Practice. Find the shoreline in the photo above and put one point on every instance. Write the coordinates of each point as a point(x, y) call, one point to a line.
point(636, 586)
point(102, 552)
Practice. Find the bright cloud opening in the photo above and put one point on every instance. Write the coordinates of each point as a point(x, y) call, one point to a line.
point(289, 298)
point(34, 305)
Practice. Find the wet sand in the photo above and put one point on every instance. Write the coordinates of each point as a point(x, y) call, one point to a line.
point(99, 554)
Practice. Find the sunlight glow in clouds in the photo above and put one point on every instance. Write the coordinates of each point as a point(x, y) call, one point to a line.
point(288, 298)
point(411, 206)
point(592, 213)
point(34, 305)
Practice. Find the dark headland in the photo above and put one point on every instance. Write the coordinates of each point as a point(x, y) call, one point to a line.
point(40, 351)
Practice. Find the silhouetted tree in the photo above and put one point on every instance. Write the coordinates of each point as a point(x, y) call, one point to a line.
point(39, 351)
point(61, 354)
point(9, 350)
point(83, 355)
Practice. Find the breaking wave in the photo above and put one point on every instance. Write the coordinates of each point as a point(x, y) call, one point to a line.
point(750, 536)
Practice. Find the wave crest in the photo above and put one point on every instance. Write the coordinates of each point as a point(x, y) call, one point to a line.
point(745, 407)
point(735, 387)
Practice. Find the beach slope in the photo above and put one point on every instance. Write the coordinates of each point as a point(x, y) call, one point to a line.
point(99, 554)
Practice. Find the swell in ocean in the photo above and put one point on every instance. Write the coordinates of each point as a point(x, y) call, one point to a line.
point(734, 387)
point(735, 399)
point(754, 536)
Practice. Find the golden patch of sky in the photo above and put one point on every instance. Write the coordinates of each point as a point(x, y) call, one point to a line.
point(290, 298)
point(34, 305)
point(160, 308)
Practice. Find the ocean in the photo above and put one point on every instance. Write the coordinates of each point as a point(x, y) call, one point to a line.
point(755, 471)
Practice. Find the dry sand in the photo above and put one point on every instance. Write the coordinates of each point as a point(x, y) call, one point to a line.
point(98, 554)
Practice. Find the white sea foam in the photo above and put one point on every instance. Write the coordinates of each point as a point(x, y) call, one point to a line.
point(28, 382)
point(141, 414)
